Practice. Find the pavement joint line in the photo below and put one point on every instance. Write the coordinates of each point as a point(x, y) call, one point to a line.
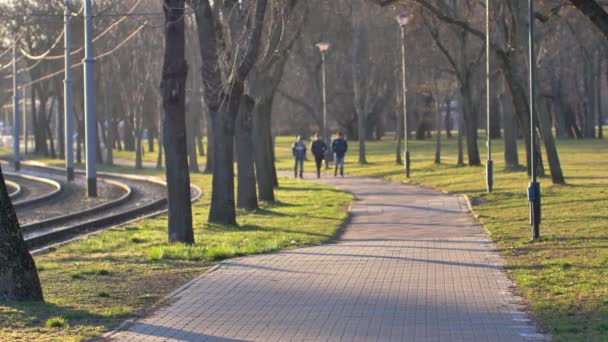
point(398, 281)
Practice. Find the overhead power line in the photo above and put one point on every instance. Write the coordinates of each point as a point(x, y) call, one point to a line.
point(98, 57)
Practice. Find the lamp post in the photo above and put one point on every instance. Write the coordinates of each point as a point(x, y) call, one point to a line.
point(67, 97)
point(89, 104)
point(323, 48)
point(534, 187)
point(489, 163)
point(16, 118)
point(403, 19)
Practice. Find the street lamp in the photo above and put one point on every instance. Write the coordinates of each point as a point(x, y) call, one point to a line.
point(403, 19)
point(489, 163)
point(534, 187)
point(323, 48)
point(67, 97)
point(16, 118)
point(89, 103)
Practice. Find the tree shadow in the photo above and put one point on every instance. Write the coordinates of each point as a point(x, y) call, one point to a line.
point(35, 314)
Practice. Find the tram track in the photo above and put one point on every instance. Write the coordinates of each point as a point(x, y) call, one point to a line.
point(141, 197)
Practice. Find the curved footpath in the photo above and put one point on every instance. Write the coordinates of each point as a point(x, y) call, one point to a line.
point(412, 265)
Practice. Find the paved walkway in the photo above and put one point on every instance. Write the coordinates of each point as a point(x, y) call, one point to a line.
point(411, 266)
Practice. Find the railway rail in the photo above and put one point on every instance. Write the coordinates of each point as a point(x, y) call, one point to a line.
point(129, 197)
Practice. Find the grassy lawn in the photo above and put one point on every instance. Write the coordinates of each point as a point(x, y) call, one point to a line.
point(90, 286)
point(564, 276)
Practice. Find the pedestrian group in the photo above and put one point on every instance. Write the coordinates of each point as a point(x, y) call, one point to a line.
point(339, 147)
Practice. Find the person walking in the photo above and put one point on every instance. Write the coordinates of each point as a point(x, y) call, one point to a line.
point(339, 146)
point(298, 149)
point(318, 149)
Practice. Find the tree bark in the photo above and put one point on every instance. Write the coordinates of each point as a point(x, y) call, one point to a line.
point(600, 104)
point(264, 160)
point(109, 142)
point(594, 11)
point(246, 191)
point(460, 161)
point(438, 130)
point(18, 276)
point(399, 139)
point(173, 90)
point(448, 118)
point(209, 158)
point(510, 131)
point(191, 119)
point(222, 197)
point(470, 123)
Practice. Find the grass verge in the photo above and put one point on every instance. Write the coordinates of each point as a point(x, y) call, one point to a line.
point(92, 285)
point(564, 276)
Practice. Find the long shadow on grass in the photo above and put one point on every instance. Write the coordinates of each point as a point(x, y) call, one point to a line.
point(312, 188)
point(40, 312)
point(290, 231)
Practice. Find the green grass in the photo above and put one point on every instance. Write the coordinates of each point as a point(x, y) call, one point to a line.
point(92, 285)
point(564, 276)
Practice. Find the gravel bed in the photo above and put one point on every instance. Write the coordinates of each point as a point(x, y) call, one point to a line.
point(72, 199)
point(30, 189)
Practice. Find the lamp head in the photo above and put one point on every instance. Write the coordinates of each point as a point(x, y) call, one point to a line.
point(323, 46)
point(403, 19)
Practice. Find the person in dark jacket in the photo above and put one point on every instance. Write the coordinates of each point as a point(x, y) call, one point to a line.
point(318, 149)
point(298, 149)
point(339, 146)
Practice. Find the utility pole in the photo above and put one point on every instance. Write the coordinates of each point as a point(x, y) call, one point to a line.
point(16, 118)
point(323, 48)
point(534, 187)
point(67, 96)
point(25, 135)
point(403, 20)
point(489, 162)
point(89, 104)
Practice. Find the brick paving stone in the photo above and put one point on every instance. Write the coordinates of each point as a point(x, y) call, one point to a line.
point(412, 265)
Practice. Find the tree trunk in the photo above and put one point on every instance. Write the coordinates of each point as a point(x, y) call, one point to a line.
point(399, 139)
point(173, 86)
point(159, 156)
point(470, 121)
point(18, 276)
point(191, 119)
point(510, 131)
point(590, 103)
point(98, 145)
point(60, 125)
point(80, 140)
point(222, 197)
point(448, 118)
point(209, 158)
point(191, 143)
point(199, 135)
point(544, 123)
point(438, 131)
point(263, 151)
point(109, 142)
point(138, 149)
point(460, 161)
point(600, 104)
point(246, 192)
point(515, 72)
point(495, 119)
point(361, 128)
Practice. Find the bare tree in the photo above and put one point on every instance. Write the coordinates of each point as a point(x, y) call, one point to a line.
point(173, 86)
point(18, 276)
